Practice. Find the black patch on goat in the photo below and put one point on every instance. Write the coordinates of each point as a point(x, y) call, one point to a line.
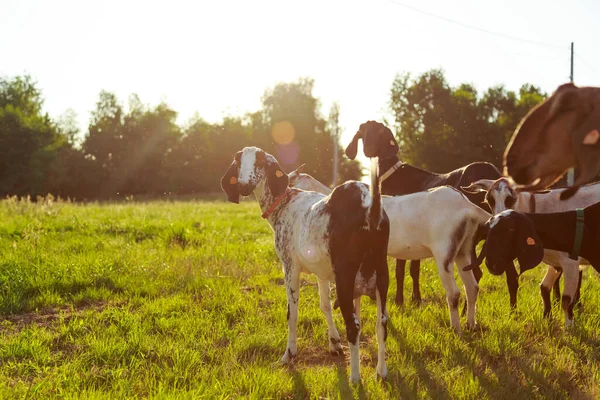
point(454, 301)
point(545, 292)
point(568, 305)
point(456, 241)
point(354, 247)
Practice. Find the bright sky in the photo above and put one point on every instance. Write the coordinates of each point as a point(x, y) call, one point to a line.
point(217, 57)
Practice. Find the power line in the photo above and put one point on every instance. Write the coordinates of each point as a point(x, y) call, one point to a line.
point(586, 64)
point(477, 28)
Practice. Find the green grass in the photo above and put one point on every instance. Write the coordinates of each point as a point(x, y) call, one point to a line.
point(185, 300)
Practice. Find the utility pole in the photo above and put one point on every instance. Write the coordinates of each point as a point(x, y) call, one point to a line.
point(335, 157)
point(571, 172)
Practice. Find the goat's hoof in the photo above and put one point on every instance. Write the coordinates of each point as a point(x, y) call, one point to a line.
point(288, 357)
point(335, 347)
point(355, 380)
point(473, 327)
point(337, 352)
point(399, 301)
point(569, 324)
point(382, 374)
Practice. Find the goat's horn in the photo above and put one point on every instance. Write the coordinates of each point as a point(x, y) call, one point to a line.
point(297, 170)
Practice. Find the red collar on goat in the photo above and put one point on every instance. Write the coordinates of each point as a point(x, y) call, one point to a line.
point(275, 203)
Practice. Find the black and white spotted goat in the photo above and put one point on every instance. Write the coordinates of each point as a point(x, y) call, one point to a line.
point(501, 196)
point(440, 223)
point(525, 236)
point(399, 178)
point(341, 237)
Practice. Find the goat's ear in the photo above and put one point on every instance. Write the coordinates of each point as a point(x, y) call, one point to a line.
point(229, 183)
point(352, 148)
point(277, 180)
point(387, 145)
point(482, 185)
point(530, 250)
point(499, 249)
point(495, 263)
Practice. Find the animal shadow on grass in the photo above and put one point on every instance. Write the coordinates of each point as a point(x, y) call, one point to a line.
point(434, 389)
point(584, 336)
point(301, 391)
point(310, 357)
point(508, 380)
point(518, 379)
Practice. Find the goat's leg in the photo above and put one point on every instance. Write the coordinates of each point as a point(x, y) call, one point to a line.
point(357, 308)
point(576, 302)
point(556, 287)
point(548, 282)
point(381, 329)
point(292, 286)
point(344, 282)
point(571, 274)
point(471, 289)
point(477, 273)
point(415, 270)
point(400, 272)
point(512, 281)
point(335, 347)
point(382, 283)
point(445, 271)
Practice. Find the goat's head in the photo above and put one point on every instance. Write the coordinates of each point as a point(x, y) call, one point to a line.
point(512, 235)
point(378, 141)
point(250, 168)
point(499, 194)
point(560, 133)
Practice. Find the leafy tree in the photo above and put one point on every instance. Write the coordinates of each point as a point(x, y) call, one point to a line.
point(29, 141)
point(440, 127)
point(300, 134)
point(128, 150)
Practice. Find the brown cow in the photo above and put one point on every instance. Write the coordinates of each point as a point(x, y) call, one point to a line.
point(561, 133)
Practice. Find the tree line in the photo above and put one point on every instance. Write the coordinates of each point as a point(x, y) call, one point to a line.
point(142, 151)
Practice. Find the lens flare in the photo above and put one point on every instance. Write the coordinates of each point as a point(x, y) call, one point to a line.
point(288, 154)
point(283, 132)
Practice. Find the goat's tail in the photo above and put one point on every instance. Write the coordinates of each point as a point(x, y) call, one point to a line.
point(375, 212)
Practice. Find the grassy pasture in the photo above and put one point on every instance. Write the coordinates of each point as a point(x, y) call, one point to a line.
point(185, 300)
